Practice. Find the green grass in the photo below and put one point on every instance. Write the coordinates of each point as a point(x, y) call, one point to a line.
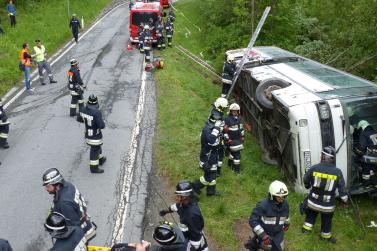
point(185, 93)
point(44, 19)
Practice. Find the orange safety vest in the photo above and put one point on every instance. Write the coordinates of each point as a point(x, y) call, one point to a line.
point(25, 61)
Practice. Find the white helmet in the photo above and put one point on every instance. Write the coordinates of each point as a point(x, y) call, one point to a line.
point(221, 103)
point(234, 107)
point(362, 124)
point(146, 27)
point(230, 58)
point(278, 188)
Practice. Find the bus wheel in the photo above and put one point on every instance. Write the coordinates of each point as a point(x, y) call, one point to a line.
point(264, 90)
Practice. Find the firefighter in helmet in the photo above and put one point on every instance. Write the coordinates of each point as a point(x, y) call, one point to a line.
point(140, 35)
point(229, 69)
point(4, 127)
point(76, 87)
point(169, 28)
point(323, 179)
point(66, 237)
point(218, 109)
point(160, 34)
point(68, 201)
point(171, 15)
point(270, 219)
point(147, 43)
point(169, 238)
point(209, 156)
point(190, 217)
point(92, 117)
point(234, 136)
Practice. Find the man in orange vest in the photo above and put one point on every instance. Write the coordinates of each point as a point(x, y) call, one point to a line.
point(25, 59)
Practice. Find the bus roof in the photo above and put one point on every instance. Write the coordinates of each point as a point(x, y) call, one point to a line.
point(146, 6)
point(312, 80)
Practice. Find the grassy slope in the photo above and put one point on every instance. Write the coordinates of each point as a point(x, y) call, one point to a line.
point(45, 19)
point(185, 94)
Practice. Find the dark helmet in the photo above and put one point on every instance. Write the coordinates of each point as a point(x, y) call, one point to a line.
point(164, 234)
point(183, 188)
point(92, 100)
point(329, 152)
point(74, 61)
point(56, 224)
point(52, 176)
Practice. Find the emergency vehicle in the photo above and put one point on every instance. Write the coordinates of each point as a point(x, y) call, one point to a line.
point(141, 13)
point(297, 106)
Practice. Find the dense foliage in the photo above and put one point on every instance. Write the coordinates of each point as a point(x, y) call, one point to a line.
point(339, 33)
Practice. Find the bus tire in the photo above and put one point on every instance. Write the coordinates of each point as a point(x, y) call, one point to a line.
point(264, 89)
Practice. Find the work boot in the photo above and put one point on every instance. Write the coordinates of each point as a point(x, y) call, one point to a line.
point(43, 83)
point(79, 119)
point(5, 145)
point(96, 169)
point(211, 191)
point(331, 239)
point(218, 171)
point(305, 231)
point(230, 162)
point(236, 168)
point(197, 186)
point(102, 160)
point(53, 81)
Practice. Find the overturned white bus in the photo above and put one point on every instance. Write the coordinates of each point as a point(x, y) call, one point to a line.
point(296, 106)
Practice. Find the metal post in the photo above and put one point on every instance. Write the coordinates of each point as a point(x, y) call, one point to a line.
point(248, 49)
point(82, 22)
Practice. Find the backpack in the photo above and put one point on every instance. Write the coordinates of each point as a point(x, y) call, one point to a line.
point(21, 66)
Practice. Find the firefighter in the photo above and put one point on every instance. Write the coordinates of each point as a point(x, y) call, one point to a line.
point(160, 34)
point(270, 219)
point(218, 109)
point(229, 69)
point(171, 15)
point(140, 35)
point(66, 237)
point(76, 87)
point(190, 216)
point(209, 140)
point(169, 28)
point(323, 179)
point(151, 24)
point(4, 127)
point(75, 25)
point(5, 246)
point(169, 238)
point(366, 147)
point(234, 136)
point(147, 43)
point(93, 120)
point(68, 201)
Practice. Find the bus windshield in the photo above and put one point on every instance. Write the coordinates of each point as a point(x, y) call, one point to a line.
point(143, 17)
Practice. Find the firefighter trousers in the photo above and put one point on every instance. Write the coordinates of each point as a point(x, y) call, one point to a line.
point(326, 222)
point(235, 158)
point(4, 130)
point(76, 101)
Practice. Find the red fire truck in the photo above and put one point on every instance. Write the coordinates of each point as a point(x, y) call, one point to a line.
point(140, 13)
point(163, 3)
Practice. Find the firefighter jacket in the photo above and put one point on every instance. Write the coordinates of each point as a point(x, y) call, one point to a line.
point(169, 27)
point(93, 124)
point(324, 178)
point(73, 240)
point(191, 225)
point(269, 217)
point(3, 116)
point(210, 141)
point(74, 25)
point(69, 202)
point(147, 40)
point(76, 86)
point(228, 73)
point(5, 246)
point(179, 244)
point(171, 16)
point(367, 138)
point(159, 30)
point(234, 132)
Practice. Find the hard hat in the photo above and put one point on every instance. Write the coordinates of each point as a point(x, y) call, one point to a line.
point(278, 188)
point(221, 103)
point(74, 61)
point(92, 100)
point(234, 107)
point(362, 124)
point(56, 224)
point(52, 176)
point(183, 188)
point(73, 15)
point(164, 234)
point(230, 58)
point(146, 27)
point(329, 151)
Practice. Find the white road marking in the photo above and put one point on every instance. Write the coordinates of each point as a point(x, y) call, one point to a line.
point(63, 51)
point(123, 204)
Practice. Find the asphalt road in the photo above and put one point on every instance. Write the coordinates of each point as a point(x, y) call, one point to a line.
point(42, 135)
